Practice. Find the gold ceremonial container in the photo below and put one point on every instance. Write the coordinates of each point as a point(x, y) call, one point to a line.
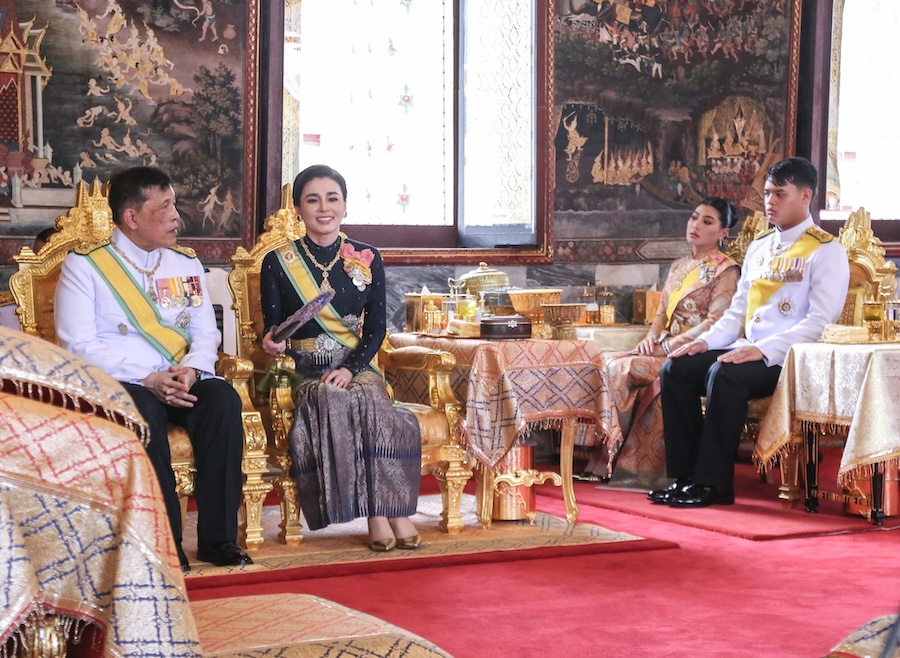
point(479, 280)
point(562, 317)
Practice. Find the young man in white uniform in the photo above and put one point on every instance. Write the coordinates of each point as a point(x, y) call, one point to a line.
point(137, 308)
point(794, 282)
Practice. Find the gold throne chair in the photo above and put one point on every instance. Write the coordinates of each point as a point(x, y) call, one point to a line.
point(443, 448)
point(33, 286)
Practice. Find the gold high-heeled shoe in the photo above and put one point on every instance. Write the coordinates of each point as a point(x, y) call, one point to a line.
point(409, 543)
point(382, 546)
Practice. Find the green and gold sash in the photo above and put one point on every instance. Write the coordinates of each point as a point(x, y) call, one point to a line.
point(784, 268)
point(307, 289)
point(173, 343)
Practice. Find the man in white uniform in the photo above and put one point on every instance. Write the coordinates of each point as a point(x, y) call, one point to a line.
point(138, 308)
point(794, 282)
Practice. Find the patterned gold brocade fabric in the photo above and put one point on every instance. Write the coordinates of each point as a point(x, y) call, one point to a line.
point(510, 386)
point(848, 389)
point(699, 307)
point(84, 534)
point(34, 368)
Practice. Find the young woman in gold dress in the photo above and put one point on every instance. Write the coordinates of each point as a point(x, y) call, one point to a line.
point(696, 293)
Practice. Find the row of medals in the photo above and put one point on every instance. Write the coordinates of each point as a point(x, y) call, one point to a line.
point(176, 301)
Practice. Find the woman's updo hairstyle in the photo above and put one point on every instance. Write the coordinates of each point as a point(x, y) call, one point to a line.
point(317, 171)
point(727, 213)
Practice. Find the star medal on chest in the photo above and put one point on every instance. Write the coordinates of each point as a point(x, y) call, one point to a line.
point(786, 306)
point(183, 320)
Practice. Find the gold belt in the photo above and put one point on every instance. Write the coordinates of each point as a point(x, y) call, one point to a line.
point(302, 344)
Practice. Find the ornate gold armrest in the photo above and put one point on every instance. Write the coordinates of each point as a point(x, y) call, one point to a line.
point(437, 364)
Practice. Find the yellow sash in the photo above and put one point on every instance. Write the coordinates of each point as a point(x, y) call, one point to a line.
point(688, 282)
point(306, 288)
point(762, 289)
point(172, 342)
point(676, 295)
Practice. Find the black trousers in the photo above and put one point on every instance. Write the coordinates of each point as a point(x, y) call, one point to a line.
point(216, 433)
point(704, 448)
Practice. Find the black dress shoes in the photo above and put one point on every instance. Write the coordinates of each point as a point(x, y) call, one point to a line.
point(662, 496)
point(182, 558)
point(224, 554)
point(701, 496)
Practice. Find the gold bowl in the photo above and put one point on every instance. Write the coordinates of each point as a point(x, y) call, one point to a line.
point(562, 317)
point(528, 303)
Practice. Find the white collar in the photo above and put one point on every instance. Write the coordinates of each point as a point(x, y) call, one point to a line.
point(130, 249)
point(791, 234)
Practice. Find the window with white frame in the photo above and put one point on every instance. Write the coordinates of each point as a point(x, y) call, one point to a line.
point(427, 107)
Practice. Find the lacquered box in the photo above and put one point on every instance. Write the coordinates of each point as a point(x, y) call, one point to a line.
point(506, 327)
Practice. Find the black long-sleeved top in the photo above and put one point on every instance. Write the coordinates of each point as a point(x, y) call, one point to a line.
point(280, 299)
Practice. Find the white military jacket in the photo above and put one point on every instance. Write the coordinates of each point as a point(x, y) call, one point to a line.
point(91, 324)
point(798, 311)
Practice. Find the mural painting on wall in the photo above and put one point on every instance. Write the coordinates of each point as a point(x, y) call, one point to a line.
point(88, 87)
point(659, 104)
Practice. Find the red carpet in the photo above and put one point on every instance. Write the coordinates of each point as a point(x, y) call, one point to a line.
point(757, 513)
point(716, 595)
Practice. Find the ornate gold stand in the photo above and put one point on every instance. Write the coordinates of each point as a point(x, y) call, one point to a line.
point(489, 482)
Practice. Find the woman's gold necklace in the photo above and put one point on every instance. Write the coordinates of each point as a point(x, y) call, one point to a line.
point(151, 293)
point(326, 284)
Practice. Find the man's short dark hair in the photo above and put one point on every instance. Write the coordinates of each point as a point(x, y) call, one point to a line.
point(128, 188)
point(794, 171)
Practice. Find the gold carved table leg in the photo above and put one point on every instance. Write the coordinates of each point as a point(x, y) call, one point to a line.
point(489, 482)
point(789, 491)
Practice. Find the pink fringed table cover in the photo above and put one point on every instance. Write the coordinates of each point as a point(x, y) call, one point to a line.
point(510, 386)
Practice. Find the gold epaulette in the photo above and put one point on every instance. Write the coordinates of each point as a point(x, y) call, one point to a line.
point(820, 234)
point(764, 234)
point(84, 249)
point(184, 251)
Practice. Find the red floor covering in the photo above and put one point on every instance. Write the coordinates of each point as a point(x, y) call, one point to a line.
point(716, 595)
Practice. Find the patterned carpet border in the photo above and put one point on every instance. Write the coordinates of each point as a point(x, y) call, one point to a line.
point(343, 550)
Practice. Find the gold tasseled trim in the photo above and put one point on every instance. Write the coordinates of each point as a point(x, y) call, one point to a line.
point(765, 462)
point(858, 472)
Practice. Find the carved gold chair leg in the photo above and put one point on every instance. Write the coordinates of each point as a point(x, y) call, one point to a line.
point(185, 478)
point(238, 372)
point(452, 477)
point(255, 488)
point(281, 406)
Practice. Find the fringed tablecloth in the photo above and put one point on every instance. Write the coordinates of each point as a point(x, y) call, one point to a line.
point(84, 535)
point(839, 389)
point(512, 386)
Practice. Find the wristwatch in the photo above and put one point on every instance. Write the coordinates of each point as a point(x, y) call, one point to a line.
point(198, 373)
